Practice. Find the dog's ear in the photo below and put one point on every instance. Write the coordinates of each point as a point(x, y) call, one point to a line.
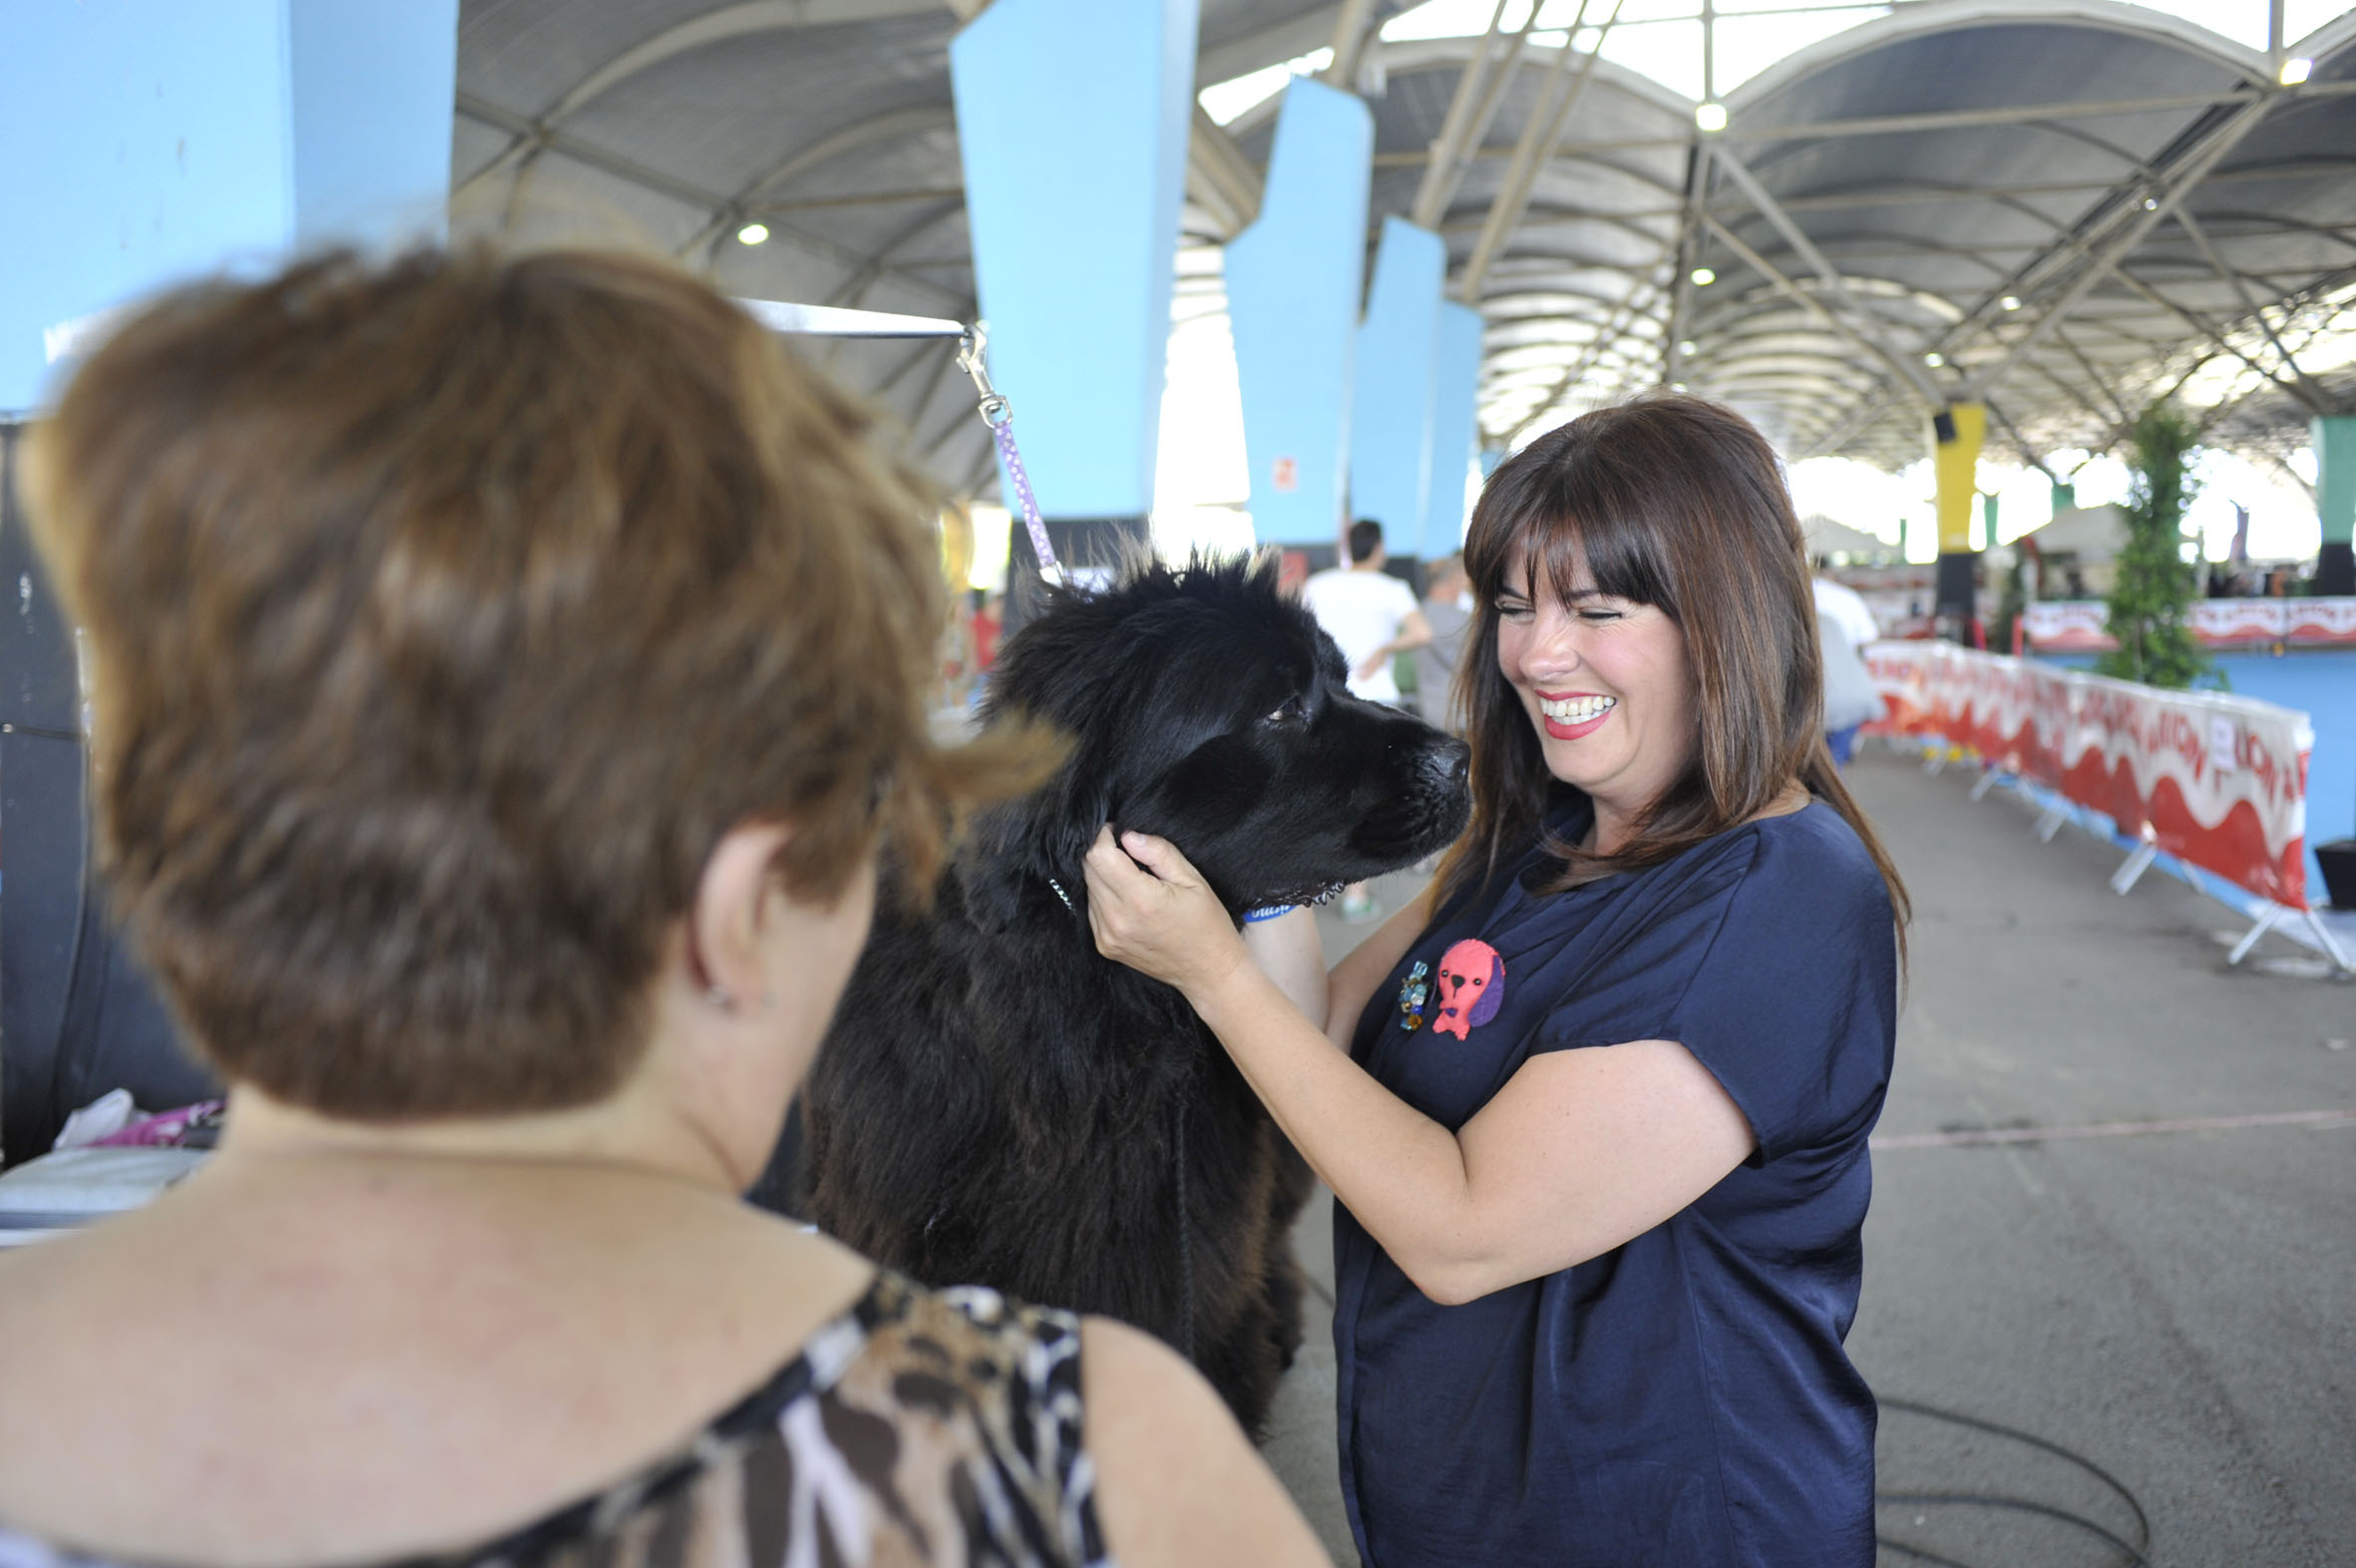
point(1071, 811)
point(1024, 843)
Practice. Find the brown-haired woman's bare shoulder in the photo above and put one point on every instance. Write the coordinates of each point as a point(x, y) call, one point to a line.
point(1181, 1484)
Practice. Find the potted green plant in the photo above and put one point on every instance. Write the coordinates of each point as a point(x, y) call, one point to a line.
point(2152, 596)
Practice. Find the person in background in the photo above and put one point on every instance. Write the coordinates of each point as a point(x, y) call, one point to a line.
point(1846, 625)
point(1448, 610)
point(500, 809)
point(988, 627)
point(1851, 701)
point(1596, 1107)
point(1371, 616)
point(1847, 607)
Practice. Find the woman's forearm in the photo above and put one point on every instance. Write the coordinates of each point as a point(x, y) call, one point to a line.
point(1400, 1174)
point(1290, 952)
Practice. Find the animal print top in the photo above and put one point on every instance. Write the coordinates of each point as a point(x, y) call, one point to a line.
point(919, 1429)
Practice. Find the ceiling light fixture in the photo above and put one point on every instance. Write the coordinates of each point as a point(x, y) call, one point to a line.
point(2010, 302)
point(1689, 346)
point(1934, 359)
point(2296, 71)
point(1710, 116)
point(752, 233)
point(2151, 204)
point(1704, 277)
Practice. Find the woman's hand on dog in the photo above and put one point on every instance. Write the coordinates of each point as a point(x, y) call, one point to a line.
point(1151, 909)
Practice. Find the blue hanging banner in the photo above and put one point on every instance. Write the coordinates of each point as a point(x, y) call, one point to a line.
point(161, 142)
point(1293, 282)
point(1392, 400)
point(1072, 123)
point(1455, 388)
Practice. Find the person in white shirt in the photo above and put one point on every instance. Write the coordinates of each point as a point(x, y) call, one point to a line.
point(1844, 626)
point(1370, 614)
point(1848, 606)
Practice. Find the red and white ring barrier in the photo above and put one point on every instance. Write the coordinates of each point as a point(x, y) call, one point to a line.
point(2081, 625)
point(2219, 782)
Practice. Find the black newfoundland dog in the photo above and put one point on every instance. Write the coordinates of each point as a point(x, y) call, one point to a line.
point(999, 1104)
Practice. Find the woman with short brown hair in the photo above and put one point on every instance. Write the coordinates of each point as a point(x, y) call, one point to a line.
point(1599, 1141)
point(503, 672)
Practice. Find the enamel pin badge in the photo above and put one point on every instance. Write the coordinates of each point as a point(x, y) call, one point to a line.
point(1414, 992)
point(1471, 988)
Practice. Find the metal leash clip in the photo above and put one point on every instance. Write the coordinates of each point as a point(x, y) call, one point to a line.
point(999, 414)
point(996, 409)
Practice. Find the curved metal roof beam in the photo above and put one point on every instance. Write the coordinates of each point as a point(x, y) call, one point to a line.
point(1962, 15)
point(1830, 370)
point(1845, 244)
point(852, 290)
point(1524, 241)
point(890, 126)
point(1541, 299)
point(741, 20)
point(2337, 237)
point(2327, 40)
point(1409, 56)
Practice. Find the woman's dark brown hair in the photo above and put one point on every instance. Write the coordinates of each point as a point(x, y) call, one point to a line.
point(1677, 503)
point(443, 615)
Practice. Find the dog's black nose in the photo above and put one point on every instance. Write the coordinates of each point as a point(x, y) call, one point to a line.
point(1449, 761)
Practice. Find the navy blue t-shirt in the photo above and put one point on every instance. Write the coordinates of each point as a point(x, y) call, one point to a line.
point(1683, 1400)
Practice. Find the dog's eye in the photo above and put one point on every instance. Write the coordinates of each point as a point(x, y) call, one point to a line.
point(1292, 710)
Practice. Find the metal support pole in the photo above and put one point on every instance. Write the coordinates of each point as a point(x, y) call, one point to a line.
point(1480, 89)
point(2122, 881)
point(2329, 944)
point(1538, 139)
point(1350, 41)
point(2267, 918)
point(2156, 207)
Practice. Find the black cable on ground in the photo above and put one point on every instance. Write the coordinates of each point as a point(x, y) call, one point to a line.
point(2133, 1550)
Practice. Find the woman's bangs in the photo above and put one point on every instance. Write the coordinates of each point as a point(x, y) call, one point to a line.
point(1579, 547)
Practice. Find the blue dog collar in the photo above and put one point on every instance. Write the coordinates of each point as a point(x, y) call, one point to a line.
point(1254, 917)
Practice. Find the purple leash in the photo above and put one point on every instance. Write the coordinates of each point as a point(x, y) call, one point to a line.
point(999, 414)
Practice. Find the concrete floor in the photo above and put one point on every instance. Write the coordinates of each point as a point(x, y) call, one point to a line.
point(2176, 1311)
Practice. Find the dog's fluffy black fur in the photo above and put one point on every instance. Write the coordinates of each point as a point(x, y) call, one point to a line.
point(999, 1104)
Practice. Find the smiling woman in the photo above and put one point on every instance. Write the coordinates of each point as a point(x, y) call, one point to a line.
point(1599, 1137)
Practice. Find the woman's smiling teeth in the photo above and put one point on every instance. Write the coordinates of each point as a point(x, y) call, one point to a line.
point(1576, 711)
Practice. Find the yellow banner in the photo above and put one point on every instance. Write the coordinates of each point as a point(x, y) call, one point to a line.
point(1956, 438)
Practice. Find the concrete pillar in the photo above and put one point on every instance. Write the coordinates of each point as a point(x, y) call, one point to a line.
point(1392, 402)
point(1957, 433)
point(1293, 282)
point(1455, 387)
point(2335, 501)
point(1072, 123)
point(158, 141)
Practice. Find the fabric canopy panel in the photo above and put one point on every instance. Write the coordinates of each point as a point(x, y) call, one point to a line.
point(1072, 198)
point(174, 143)
point(1390, 406)
point(1294, 281)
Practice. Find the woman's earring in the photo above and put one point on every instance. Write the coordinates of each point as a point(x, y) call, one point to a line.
point(718, 996)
